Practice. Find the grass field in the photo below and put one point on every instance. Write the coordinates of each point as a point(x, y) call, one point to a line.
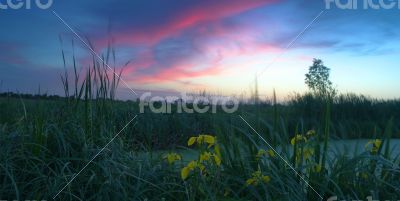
point(81, 148)
point(45, 142)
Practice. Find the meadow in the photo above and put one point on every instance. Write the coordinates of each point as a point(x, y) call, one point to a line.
point(301, 149)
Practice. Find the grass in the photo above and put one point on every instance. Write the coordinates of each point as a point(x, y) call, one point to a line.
point(45, 141)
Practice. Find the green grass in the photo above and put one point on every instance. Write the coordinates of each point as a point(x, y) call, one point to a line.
point(44, 143)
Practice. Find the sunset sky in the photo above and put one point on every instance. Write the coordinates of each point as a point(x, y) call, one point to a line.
point(218, 46)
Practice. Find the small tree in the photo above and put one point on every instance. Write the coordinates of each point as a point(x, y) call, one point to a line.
point(317, 79)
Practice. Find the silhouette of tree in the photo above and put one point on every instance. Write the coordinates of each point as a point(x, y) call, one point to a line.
point(317, 79)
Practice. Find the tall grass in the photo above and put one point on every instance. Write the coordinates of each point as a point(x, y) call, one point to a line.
point(42, 150)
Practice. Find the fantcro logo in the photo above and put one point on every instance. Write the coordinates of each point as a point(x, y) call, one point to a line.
point(25, 4)
point(187, 104)
point(362, 4)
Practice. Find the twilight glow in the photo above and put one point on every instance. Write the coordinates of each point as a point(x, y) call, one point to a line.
point(217, 46)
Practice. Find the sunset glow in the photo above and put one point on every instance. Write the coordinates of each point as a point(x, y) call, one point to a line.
point(217, 46)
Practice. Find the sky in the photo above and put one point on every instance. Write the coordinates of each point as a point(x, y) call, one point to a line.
point(218, 46)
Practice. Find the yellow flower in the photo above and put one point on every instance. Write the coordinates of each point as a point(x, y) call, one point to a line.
point(263, 152)
point(271, 153)
point(311, 133)
point(192, 165)
point(172, 157)
point(265, 179)
point(256, 174)
point(251, 181)
point(256, 178)
point(202, 139)
point(260, 153)
point(376, 144)
point(210, 140)
point(307, 153)
point(205, 156)
point(297, 138)
point(191, 141)
point(217, 160)
point(317, 168)
point(189, 168)
point(201, 167)
point(185, 173)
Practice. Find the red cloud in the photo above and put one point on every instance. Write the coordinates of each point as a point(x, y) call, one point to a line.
point(176, 73)
point(212, 56)
point(209, 12)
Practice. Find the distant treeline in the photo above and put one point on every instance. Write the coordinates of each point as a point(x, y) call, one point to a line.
point(351, 115)
point(31, 96)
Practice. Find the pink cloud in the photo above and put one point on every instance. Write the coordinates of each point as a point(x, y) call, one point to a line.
point(231, 42)
point(177, 73)
point(184, 20)
point(211, 55)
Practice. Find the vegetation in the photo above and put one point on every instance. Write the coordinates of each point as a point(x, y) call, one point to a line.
point(317, 79)
point(45, 142)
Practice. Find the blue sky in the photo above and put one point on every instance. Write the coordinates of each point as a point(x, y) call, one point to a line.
point(218, 46)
